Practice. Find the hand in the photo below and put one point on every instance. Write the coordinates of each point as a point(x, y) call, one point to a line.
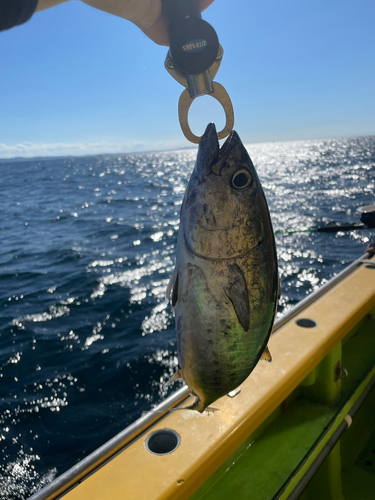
point(146, 14)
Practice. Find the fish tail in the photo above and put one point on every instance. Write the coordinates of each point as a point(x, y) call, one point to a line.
point(198, 405)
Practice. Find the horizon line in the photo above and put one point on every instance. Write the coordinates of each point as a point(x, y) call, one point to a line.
point(148, 151)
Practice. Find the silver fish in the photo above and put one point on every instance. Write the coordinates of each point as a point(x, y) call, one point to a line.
point(225, 284)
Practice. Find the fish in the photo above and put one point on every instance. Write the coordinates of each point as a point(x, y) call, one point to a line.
point(225, 284)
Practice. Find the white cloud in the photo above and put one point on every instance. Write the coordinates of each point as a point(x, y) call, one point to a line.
point(30, 150)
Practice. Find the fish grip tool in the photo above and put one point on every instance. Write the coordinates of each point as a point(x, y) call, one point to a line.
point(193, 60)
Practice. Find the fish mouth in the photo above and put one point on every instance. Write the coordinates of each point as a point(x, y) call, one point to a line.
point(210, 155)
point(230, 141)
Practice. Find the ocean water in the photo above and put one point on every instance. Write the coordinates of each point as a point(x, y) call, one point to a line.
point(87, 248)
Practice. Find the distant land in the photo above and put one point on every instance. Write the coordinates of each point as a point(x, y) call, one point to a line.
point(40, 158)
point(55, 157)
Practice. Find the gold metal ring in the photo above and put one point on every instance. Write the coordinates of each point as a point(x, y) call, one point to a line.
point(221, 95)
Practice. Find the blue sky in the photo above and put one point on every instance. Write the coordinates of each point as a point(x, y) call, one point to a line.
point(74, 80)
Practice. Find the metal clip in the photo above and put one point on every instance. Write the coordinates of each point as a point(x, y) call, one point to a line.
point(197, 85)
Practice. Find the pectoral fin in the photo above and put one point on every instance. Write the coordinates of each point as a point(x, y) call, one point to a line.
point(266, 355)
point(237, 293)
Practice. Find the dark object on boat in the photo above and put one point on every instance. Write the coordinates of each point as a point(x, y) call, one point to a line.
point(367, 221)
point(367, 215)
point(343, 227)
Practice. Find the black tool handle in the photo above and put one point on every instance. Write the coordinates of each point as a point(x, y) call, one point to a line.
point(194, 43)
point(178, 10)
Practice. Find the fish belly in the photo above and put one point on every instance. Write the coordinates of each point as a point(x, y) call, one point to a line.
point(216, 354)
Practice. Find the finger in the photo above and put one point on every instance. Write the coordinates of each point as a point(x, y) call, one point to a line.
point(158, 32)
point(205, 3)
point(145, 13)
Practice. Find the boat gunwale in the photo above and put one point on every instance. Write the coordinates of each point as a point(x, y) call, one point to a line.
point(97, 458)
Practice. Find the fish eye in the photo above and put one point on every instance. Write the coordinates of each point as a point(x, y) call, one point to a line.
point(241, 179)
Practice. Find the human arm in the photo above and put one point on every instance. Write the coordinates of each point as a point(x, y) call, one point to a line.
point(15, 12)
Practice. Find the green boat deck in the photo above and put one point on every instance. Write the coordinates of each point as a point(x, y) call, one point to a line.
point(283, 448)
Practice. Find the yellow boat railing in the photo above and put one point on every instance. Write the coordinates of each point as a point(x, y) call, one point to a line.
point(295, 356)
